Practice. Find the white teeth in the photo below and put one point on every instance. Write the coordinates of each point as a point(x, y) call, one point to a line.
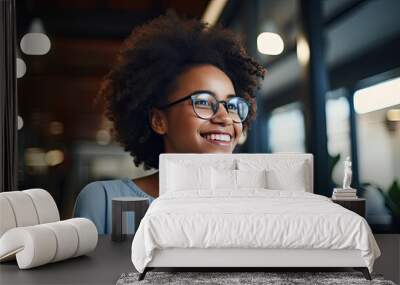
point(219, 137)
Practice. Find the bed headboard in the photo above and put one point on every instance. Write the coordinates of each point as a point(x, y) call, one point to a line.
point(232, 160)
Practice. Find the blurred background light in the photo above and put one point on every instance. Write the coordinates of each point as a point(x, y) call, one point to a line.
point(103, 137)
point(36, 26)
point(20, 122)
point(21, 67)
point(213, 11)
point(376, 97)
point(35, 41)
point(56, 128)
point(54, 157)
point(35, 44)
point(270, 43)
point(303, 51)
point(393, 115)
point(35, 157)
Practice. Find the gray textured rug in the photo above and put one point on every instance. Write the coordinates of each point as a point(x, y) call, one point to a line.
point(228, 278)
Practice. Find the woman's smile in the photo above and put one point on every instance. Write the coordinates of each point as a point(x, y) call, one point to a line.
point(218, 139)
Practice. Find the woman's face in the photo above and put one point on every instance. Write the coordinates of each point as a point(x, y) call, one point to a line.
point(184, 131)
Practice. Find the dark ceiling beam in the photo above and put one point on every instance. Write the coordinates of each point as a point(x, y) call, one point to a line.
point(380, 59)
point(230, 12)
point(346, 11)
point(343, 12)
point(93, 24)
point(102, 20)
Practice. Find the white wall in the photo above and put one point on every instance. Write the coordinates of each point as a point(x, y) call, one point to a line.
point(378, 149)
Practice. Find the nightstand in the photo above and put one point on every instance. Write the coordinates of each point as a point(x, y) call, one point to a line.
point(138, 205)
point(356, 205)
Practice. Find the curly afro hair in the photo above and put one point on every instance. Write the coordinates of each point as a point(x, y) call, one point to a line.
point(150, 60)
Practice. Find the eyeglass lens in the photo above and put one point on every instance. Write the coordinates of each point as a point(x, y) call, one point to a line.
point(206, 106)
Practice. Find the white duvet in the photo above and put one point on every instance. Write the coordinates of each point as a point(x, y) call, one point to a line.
point(250, 219)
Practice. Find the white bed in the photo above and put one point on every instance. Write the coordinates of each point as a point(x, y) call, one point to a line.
point(267, 218)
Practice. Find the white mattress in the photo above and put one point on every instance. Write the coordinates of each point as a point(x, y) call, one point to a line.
point(257, 218)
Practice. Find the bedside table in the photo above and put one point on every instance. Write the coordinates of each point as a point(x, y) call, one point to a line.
point(356, 205)
point(138, 205)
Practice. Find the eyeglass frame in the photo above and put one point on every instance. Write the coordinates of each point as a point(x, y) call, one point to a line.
point(224, 102)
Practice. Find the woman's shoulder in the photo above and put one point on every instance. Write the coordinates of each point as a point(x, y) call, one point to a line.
point(124, 186)
point(101, 192)
point(101, 184)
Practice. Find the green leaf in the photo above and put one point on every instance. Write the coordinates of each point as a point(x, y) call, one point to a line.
point(332, 160)
point(391, 197)
point(394, 197)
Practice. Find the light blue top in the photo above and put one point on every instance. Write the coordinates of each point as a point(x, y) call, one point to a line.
point(95, 202)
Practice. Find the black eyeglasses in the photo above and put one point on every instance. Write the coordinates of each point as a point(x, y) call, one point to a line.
point(205, 106)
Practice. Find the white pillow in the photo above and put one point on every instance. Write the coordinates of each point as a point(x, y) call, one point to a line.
point(228, 179)
point(292, 179)
point(223, 179)
point(203, 161)
point(251, 178)
point(281, 174)
point(183, 178)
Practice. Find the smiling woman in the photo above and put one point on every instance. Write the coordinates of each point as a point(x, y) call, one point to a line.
point(178, 86)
